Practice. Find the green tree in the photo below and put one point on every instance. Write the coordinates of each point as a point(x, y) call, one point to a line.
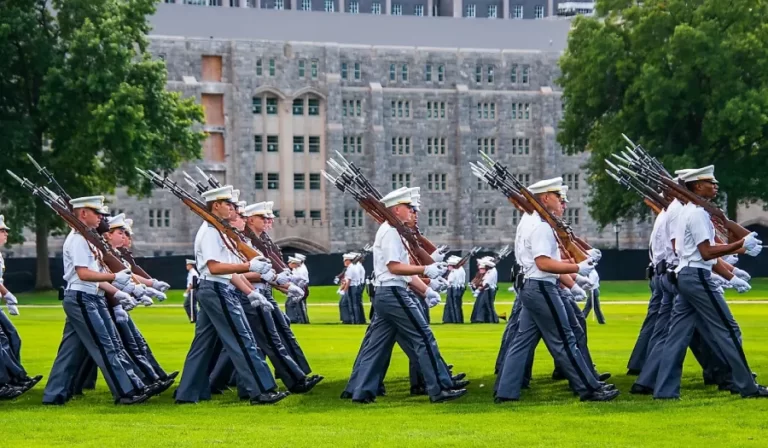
point(80, 92)
point(688, 79)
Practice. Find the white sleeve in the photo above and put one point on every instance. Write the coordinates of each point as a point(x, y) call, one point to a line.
point(81, 254)
point(543, 241)
point(700, 226)
point(392, 247)
point(212, 248)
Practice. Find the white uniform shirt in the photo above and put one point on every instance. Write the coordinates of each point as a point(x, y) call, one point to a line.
point(491, 278)
point(191, 274)
point(352, 274)
point(2, 269)
point(388, 247)
point(360, 270)
point(538, 240)
point(79, 253)
point(303, 272)
point(210, 246)
point(594, 278)
point(659, 241)
point(525, 221)
point(457, 278)
point(673, 216)
point(693, 228)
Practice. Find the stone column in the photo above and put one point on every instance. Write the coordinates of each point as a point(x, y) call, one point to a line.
point(387, 7)
point(458, 8)
point(285, 142)
point(463, 152)
point(430, 5)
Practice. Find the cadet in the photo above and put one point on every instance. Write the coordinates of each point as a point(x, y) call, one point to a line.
point(484, 311)
point(190, 304)
point(296, 306)
point(345, 299)
point(453, 312)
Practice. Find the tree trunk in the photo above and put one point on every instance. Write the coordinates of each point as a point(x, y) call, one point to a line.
point(732, 207)
point(43, 280)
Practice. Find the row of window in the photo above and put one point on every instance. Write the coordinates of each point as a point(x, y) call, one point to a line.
point(493, 12)
point(299, 181)
point(271, 102)
point(484, 217)
point(518, 74)
point(312, 143)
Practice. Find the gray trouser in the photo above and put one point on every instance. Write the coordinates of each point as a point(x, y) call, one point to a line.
point(86, 333)
point(544, 316)
point(453, 312)
point(579, 327)
point(593, 301)
point(289, 340)
point(356, 304)
point(637, 358)
point(190, 306)
point(345, 308)
point(397, 316)
point(510, 330)
point(128, 332)
point(14, 340)
point(221, 316)
point(484, 312)
point(700, 299)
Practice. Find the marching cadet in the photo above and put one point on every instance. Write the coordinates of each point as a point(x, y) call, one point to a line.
point(397, 314)
point(346, 314)
point(699, 297)
point(593, 298)
point(303, 273)
point(453, 312)
point(296, 307)
point(358, 285)
point(484, 311)
point(190, 304)
point(221, 313)
point(86, 332)
point(543, 313)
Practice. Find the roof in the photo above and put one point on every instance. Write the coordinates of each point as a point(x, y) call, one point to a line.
point(548, 35)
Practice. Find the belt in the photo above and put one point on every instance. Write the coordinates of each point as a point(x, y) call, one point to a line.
point(695, 264)
point(88, 289)
point(398, 283)
point(223, 281)
point(551, 280)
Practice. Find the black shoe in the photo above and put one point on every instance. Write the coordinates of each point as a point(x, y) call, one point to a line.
point(448, 395)
point(601, 395)
point(161, 386)
point(459, 377)
point(28, 382)
point(418, 390)
point(639, 389)
point(558, 376)
point(217, 391)
point(269, 397)
point(499, 400)
point(8, 392)
point(604, 376)
point(633, 372)
point(762, 392)
point(136, 399)
point(608, 387)
point(449, 366)
point(460, 384)
point(172, 375)
point(184, 402)
point(503, 317)
point(346, 395)
point(306, 385)
point(725, 386)
point(366, 400)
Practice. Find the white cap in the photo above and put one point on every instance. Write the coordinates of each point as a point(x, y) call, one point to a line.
point(2, 223)
point(294, 260)
point(416, 198)
point(401, 196)
point(564, 194)
point(93, 202)
point(706, 173)
point(301, 257)
point(116, 222)
point(104, 211)
point(554, 185)
point(257, 209)
point(219, 194)
point(453, 260)
point(188, 261)
point(270, 205)
point(679, 173)
point(235, 196)
point(486, 262)
point(241, 207)
point(129, 225)
point(350, 255)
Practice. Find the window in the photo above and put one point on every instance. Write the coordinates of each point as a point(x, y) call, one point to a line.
point(313, 68)
point(343, 70)
point(271, 106)
point(401, 180)
point(524, 179)
point(298, 181)
point(279, 4)
point(521, 146)
point(314, 181)
point(428, 73)
point(515, 217)
point(404, 72)
point(357, 71)
point(258, 181)
point(354, 7)
point(418, 10)
point(273, 181)
point(492, 14)
point(489, 76)
point(438, 218)
point(313, 107)
point(353, 218)
point(271, 67)
point(351, 108)
point(440, 73)
point(401, 146)
point(159, 218)
point(401, 109)
point(299, 214)
point(298, 143)
point(397, 9)
point(572, 180)
point(487, 145)
point(517, 12)
point(513, 74)
point(302, 68)
point(352, 144)
point(256, 105)
point(486, 111)
point(470, 11)
point(435, 110)
point(298, 106)
point(521, 111)
point(572, 216)
point(329, 7)
point(392, 72)
point(314, 144)
point(258, 143)
point(486, 217)
point(306, 5)
point(538, 12)
point(436, 182)
point(258, 67)
point(272, 144)
point(436, 145)
point(315, 214)
point(526, 74)
point(376, 8)
point(478, 73)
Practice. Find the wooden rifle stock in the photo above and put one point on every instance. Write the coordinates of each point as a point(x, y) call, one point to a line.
point(567, 238)
point(135, 268)
point(652, 205)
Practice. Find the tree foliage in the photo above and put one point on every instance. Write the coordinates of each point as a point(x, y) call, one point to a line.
point(80, 92)
point(687, 79)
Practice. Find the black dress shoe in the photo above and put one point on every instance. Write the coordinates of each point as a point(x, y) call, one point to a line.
point(558, 376)
point(305, 385)
point(633, 372)
point(460, 384)
point(499, 400)
point(762, 392)
point(725, 386)
point(601, 395)
point(608, 387)
point(8, 392)
point(172, 375)
point(604, 376)
point(639, 389)
point(161, 386)
point(449, 366)
point(448, 395)
point(366, 400)
point(135, 399)
point(418, 390)
point(346, 395)
point(269, 397)
point(184, 402)
point(459, 376)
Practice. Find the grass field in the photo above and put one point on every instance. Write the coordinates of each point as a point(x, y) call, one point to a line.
point(548, 415)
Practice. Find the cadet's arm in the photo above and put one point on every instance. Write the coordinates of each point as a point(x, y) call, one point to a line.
point(241, 283)
point(552, 266)
point(218, 268)
point(710, 252)
point(87, 275)
point(398, 268)
point(721, 268)
point(418, 285)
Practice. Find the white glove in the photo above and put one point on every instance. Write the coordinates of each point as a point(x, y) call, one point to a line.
point(435, 270)
point(586, 267)
point(437, 256)
point(269, 276)
point(127, 288)
point(751, 241)
point(121, 316)
point(13, 310)
point(285, 277)
point(720, 282)
point(755, 251)
point(122, 278)
point(336, 280)
point(731, 259)
point(257, 299)
point(740, 285)
point(475, 293)
point(742, 274)
point(10, 299)
point(595, 254)
point(439, 284)
point(138, 290)
point(432, 298)
point(584, 282)
point(160, 285)
point(185, 295)
point(146, 301)
point(295, 292)
point(340, 292)
point(579, 294)
point(125, 300)
point(152, 292)
point(262, 265)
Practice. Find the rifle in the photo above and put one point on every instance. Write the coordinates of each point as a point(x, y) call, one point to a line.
point(468, 255)
point(653, 200)
point(499, 178)
point(135, 268)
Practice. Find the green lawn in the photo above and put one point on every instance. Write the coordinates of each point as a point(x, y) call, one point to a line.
point(548, 415)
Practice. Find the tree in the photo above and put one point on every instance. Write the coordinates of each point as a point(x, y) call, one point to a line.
point(80, 92)
point(688, 79)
